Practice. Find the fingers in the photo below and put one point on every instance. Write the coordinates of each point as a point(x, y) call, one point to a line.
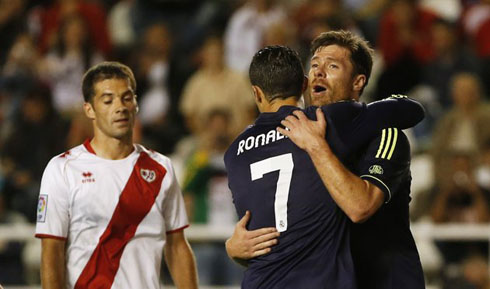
point(261, 252)
point(299, 114)
point(265, 238)
point(244, 220)
point(284, 131)
point(262, 233)
point(320, 117)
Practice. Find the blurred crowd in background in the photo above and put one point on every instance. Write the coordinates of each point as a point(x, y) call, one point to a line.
point(191, 59)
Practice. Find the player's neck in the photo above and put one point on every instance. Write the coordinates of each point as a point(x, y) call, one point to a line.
point(112, 148)
point(276, 104)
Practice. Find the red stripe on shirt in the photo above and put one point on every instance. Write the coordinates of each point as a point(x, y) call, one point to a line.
point(88, 146)
point(135, 201)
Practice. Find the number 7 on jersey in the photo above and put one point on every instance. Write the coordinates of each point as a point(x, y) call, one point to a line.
point(284, 164)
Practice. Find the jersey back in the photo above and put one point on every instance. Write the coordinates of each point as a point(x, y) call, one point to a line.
point(277, 182)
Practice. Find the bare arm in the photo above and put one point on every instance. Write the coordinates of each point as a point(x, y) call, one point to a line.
point(358, 198)
point(180, 261)
point(244, 244)
point(53, 266)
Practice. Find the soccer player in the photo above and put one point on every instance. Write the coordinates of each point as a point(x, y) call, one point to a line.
point(277, 182)
point(109, 208)
point(384, 252)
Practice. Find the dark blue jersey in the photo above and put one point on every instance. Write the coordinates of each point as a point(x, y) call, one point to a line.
point(384, 251)
point(274, 179)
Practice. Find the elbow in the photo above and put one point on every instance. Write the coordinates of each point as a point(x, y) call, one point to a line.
point(360, 216)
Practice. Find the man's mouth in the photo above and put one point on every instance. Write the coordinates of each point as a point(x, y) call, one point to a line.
point(121, 120)
point(319, 88)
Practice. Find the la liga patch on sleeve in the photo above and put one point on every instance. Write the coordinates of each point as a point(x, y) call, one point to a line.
point(42, 207)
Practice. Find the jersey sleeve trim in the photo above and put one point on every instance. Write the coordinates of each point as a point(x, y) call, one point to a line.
point(178, 229)
point(380, 182)
point(42, 236)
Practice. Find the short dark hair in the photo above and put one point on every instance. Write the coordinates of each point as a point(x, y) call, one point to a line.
point(360, 51)
point(278, 71)
point(102, 71)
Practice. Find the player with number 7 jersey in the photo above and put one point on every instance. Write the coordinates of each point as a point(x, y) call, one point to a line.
point(277, 182)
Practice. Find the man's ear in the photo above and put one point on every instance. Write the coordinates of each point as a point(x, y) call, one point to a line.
point(358, 83)
point(89, 110)
point(258, 94)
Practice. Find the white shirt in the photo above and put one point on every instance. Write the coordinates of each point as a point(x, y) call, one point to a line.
point(114, 215)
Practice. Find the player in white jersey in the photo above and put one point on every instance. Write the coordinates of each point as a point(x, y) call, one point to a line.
point(109, 208)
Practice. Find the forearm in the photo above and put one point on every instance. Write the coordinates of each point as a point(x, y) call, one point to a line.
point(358, 198)
point(53, 268)
point(182, 265)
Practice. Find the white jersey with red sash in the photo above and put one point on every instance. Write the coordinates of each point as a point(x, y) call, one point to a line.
point(113, 214)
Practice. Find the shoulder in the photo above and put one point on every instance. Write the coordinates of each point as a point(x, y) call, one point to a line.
point(156, 156)
point(58, 163)
point(391, 144)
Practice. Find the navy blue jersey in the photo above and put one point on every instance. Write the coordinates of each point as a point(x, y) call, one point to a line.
point(383, 248)
point(274, 179)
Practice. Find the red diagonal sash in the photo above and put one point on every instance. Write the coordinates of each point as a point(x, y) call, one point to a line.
point(135, 201)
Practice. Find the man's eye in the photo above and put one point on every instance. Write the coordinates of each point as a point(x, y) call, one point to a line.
point(333, 66)
point(314, 65)
point(108, 102)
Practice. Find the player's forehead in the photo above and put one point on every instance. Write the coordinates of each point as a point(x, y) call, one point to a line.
point(113, 86)
point(331, 52)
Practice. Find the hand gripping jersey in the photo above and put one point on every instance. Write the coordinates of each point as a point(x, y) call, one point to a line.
point(113, 214)
point(277, 182)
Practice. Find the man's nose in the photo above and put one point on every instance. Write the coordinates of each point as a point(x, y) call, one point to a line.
point(319, 72)
point(120, 106)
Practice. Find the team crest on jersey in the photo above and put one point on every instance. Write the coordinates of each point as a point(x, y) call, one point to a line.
point(376, 170)
point(148, 175)
point(42, 207)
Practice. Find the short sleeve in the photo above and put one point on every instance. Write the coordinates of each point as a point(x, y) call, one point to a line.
point(173, 204)
point(386, 161)
point(53, 204)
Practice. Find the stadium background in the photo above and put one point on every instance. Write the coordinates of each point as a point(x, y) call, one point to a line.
point(190, 60)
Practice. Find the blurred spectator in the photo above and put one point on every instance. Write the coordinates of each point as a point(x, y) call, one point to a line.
point(37, 134)
point(154, 67)
point(464, 127)
point(450, 57)
point(67, 61)
point(51, 18)
point(476, 24)
point(208, 198)
point(245, 32)
point(460, 199)
point(313, 17)
point(154, 72)
point(214, 86)
point(406, 44)
point(11, 267)
point(473, 275)
point(482, 172)
point(121, 27)
point(16, 78)
point(12, 23)
point(367, 14)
